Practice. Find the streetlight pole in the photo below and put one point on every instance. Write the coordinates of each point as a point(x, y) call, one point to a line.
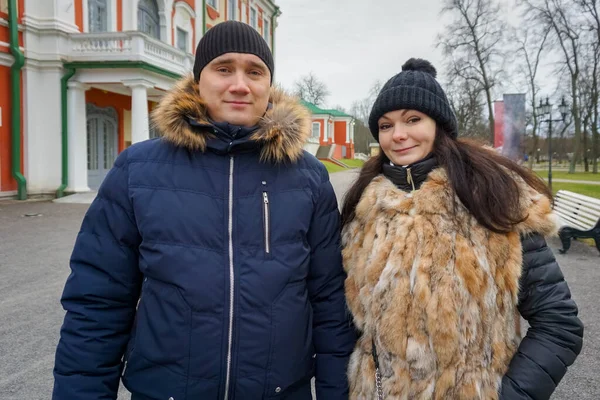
point(550, 152)
point(546, 109)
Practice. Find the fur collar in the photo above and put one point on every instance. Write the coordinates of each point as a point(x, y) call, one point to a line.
point(282, 131)
point(435, 197)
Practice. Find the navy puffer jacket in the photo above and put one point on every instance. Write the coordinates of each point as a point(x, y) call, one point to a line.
point(232, 249)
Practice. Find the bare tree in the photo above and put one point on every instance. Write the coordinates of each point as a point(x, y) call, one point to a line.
point(374, 91)
point(362, 137)
point(360, 109)
point(466, 100)
point(591, 10)
point(472, 44)
point(589, 105)
point(564, 21)
point(531, 41)
point(311, 89)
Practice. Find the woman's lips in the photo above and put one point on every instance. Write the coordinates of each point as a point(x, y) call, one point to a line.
point(403, 150)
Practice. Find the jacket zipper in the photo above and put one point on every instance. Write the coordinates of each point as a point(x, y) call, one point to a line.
point(231, 279)
point(266, 218)
point(409, 178)
point(136, 309)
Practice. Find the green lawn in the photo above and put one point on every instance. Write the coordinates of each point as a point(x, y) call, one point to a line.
point(577, 176)
point(353, 163)
point(331, 167)
point(586, 190)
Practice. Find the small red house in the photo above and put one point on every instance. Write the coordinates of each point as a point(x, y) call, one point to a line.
point(332, 133)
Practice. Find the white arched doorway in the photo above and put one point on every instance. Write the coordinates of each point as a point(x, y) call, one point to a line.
point(102, 142)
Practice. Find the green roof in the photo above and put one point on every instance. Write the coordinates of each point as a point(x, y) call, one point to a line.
point(313, 108)
point(337, 113)
point(317, 110)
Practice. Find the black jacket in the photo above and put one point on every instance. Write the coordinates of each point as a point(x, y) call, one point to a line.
point(555, 336)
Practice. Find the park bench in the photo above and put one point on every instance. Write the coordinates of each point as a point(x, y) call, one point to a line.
point(579, 217)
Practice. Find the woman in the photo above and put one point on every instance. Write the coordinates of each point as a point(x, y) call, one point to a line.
point(444, 248)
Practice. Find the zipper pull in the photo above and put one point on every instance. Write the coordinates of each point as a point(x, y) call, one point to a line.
point(409, 178)
point(265, 198)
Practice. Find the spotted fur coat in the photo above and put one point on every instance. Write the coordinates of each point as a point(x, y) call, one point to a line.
point(438, 294)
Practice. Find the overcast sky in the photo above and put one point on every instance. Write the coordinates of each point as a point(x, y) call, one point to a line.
point(349, 44)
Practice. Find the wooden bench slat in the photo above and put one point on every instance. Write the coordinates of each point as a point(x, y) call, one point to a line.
point(585, 199)
point(568, 221)
point(580, 213)
point(577, 208)
point(591, 207)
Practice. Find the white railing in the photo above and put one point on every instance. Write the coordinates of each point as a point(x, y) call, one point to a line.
point(111, 43)
point(163, 52)
point(128, 46)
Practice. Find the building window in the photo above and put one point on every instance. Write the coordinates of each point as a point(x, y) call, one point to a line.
point(213, 3)
point(253, 18)
point(316, 130)
point(266, 31)
point(148, 18)
point(98, 15)
point(182, 39)
point(231, 6)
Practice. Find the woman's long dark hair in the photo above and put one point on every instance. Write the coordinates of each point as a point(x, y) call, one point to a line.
point(488, 192)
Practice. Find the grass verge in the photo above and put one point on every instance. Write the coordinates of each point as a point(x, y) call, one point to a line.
point(331, 167)
point(586, 190)
point(353, 163)
point(577, 176)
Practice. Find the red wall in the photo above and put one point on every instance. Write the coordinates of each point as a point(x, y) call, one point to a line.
point(7, 182)
point(339, 127)
point(321, 127)
point(79, 14)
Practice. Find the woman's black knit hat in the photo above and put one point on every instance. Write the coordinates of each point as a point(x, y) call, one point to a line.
point(415, 88)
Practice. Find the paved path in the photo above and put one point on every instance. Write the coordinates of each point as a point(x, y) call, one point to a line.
point(572, 181)
point(341, 182)
point(34, 253)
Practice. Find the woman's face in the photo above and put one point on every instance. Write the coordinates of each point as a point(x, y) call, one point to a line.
point(406, 136)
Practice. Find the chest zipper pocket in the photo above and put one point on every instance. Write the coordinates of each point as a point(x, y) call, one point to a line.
point(266, 219)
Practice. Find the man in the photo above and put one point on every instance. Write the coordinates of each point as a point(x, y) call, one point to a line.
point(227, 233)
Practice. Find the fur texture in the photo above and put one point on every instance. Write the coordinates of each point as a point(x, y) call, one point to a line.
point(283, 129)
point(438, 294)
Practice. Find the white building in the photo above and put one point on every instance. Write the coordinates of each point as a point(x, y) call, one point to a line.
point(92, 72)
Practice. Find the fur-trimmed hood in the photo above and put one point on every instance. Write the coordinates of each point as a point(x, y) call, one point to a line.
point(282, 131)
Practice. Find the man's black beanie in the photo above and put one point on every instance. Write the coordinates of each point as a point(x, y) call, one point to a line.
point(231, 37)
point(415, 88)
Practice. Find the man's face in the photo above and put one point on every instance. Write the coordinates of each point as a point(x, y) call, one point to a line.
point(236, 88)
